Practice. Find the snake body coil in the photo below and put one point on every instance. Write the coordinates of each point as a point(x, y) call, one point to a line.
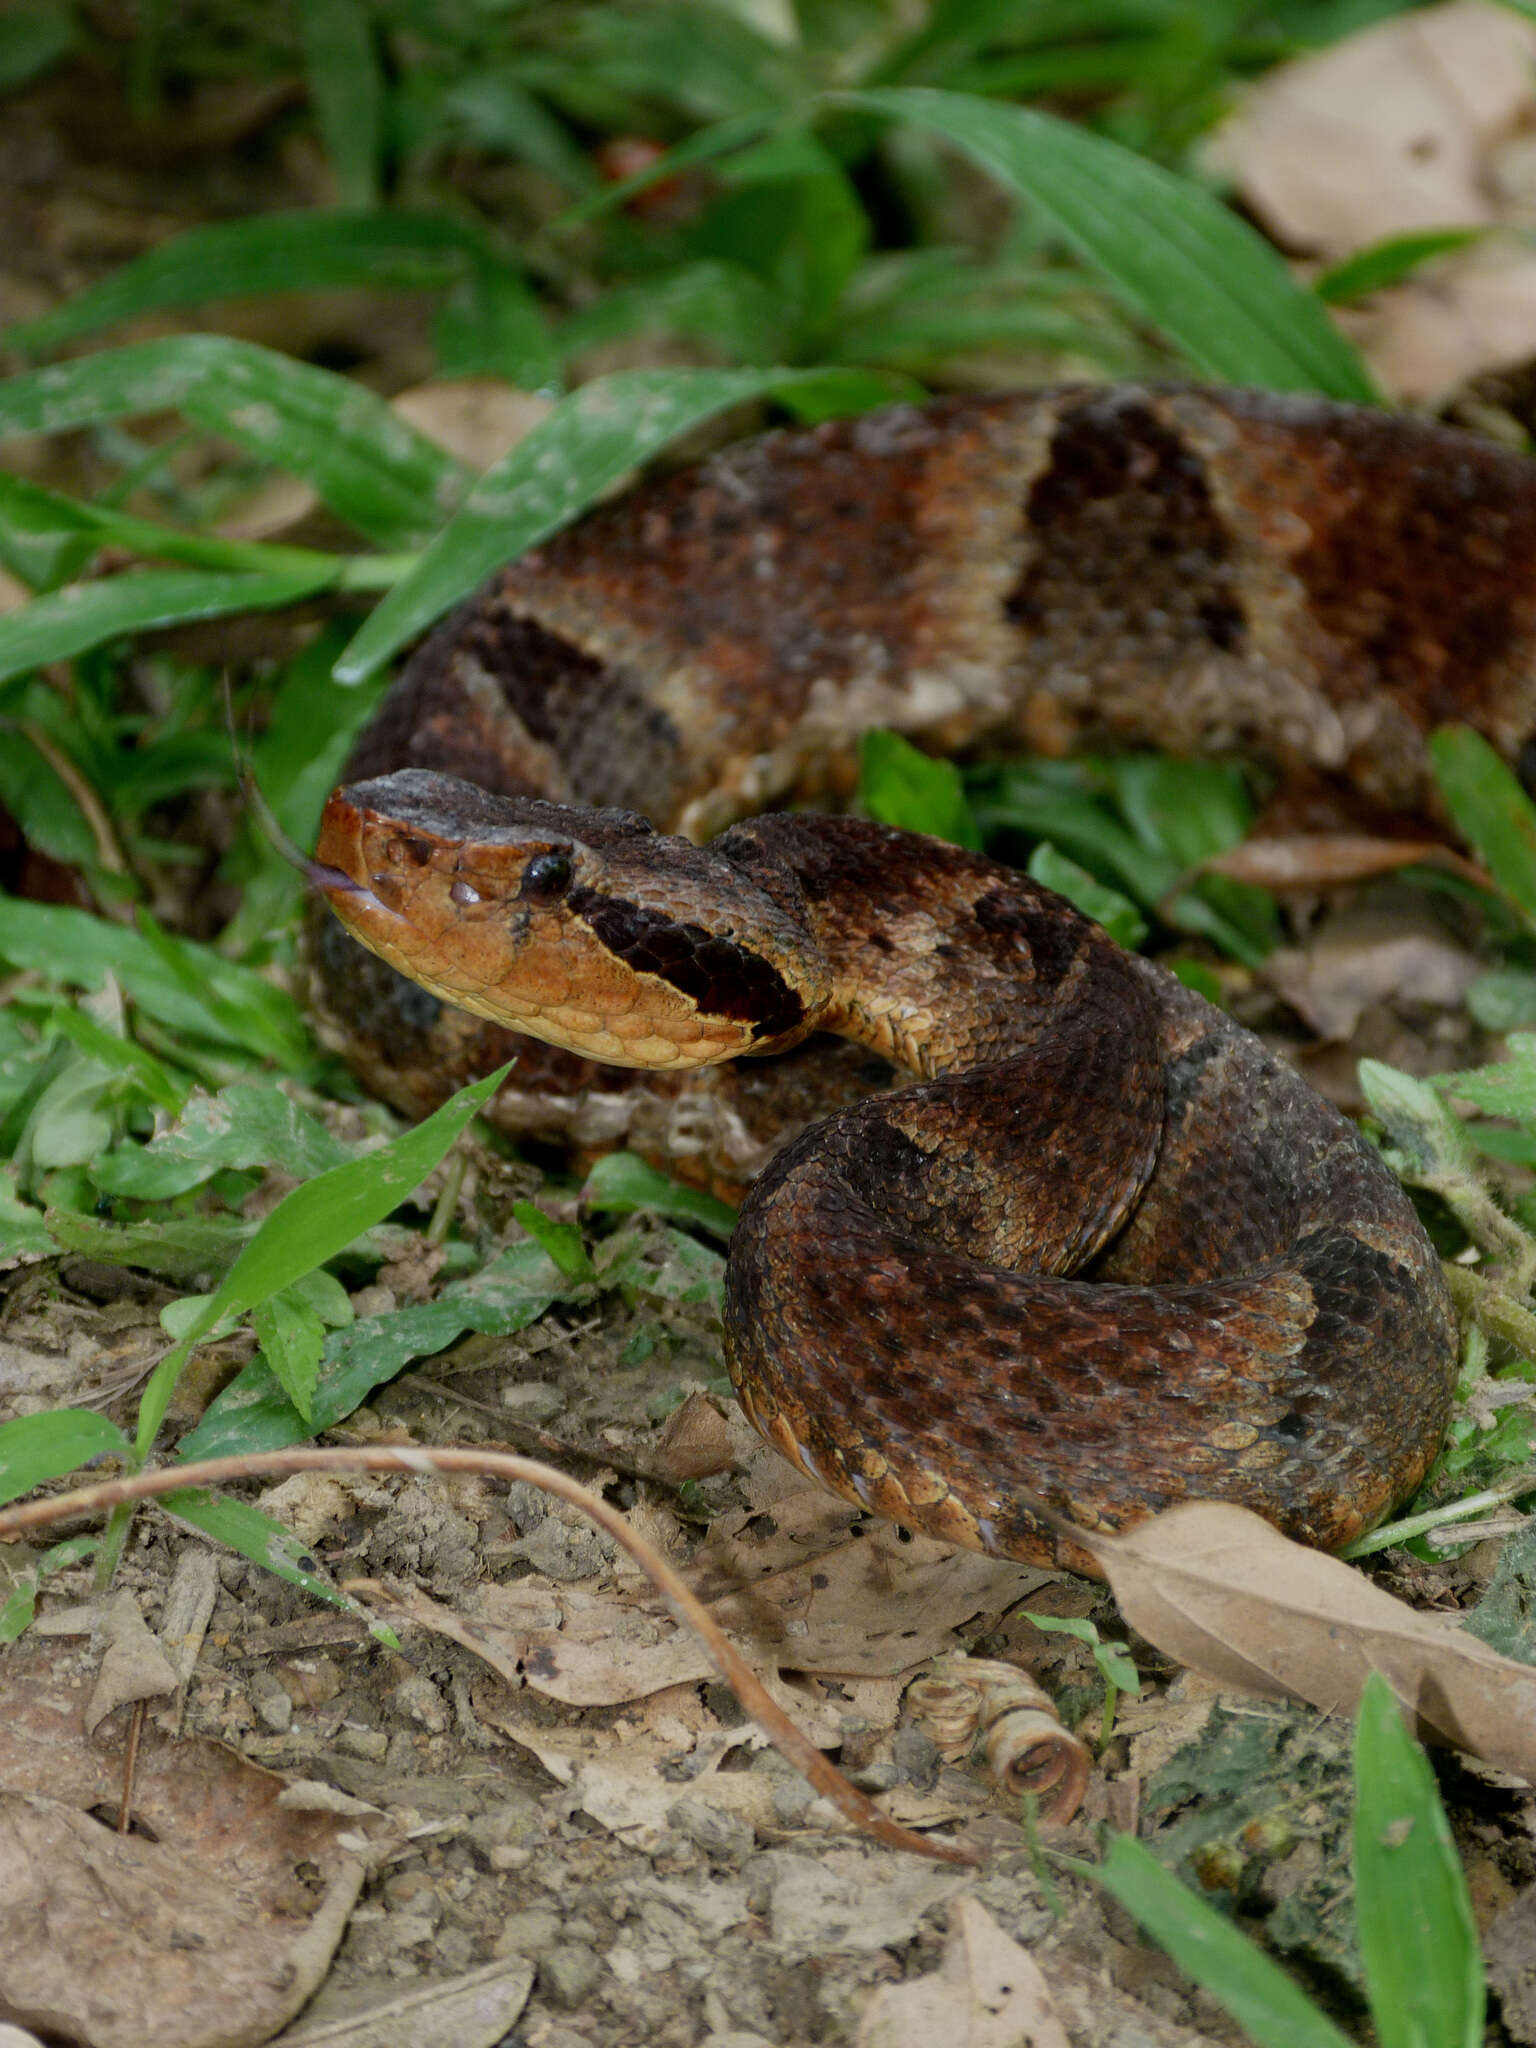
point(1107, 1251)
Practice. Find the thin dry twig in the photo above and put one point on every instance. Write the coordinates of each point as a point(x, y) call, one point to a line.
point(797, 1749)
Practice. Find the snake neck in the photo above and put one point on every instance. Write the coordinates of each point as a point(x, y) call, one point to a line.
point(937, 959)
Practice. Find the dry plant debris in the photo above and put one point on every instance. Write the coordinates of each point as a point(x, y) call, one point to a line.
point(1419, 122)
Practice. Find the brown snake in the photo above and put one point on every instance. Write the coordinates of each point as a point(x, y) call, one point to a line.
point(1108, 1251)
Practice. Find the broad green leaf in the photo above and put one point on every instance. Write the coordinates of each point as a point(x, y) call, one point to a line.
point(1504, 999)
point(1506, 1088)
point(66, 622)
point(1237, 1973)
point(1168, 247)
point(189, 1251)
point(1431, 1140)
point(721, 302)
point(1111, 1658)
point(32, 38)
point(900, 785)
point(1418, 1938)
point(43, 531)
point(254, 1414)
point(1053, 800)
point(291, 1337)
point(73, 1119)
point(372, 468)
point(1492, 811)
point(1187, 809)
point(314, 1223)
point(622, 1181)
point(1118, 914)
point(346, 89)
point(491, 108)
point(36, 1448)
point(562, 1241)
point(250, 1123)
point(790, 214)
point(592, 438)
point(710, 62)
point(491, 325)
point(23, 1232)
point(156, 1081)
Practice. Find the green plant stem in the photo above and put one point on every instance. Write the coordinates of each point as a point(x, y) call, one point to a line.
point(1107, 1722)
point(448, 1199)
point(113, 1539)
point(1436, 1518)
point(1486, 1224)
point(1495, 1309)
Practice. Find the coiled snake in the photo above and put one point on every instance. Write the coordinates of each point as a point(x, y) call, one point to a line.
point(1107, 1251)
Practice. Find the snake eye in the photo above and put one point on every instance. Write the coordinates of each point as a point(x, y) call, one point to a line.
point(546, 876)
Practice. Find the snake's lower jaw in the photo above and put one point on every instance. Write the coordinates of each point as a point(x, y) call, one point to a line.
point(523, 967)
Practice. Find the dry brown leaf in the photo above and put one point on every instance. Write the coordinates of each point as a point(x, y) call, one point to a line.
point(1326, 860)
point(105, 1938)
point(873, 1607)
point(133, 1665)
point(473, 2011)
point(1418, 122)
point(986, 1993)
point(696, 1441)
point(1368, 955)
point(1218, 1588)
point(1386, 131)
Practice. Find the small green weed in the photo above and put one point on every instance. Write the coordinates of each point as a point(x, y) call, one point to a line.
point(1418, 1941)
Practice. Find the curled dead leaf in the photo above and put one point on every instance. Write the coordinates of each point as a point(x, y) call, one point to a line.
point(1027, 1748)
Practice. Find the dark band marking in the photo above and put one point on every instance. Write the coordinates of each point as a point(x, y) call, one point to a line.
point(722, 978)
point(1184, 1076)
point(1047, 933)
point(1125, 507)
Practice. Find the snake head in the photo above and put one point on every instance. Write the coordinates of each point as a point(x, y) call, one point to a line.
point(585, 928)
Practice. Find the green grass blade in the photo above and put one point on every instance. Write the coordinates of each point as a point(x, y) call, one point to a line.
point(40, 525)
point(592, 438)
point(313, 1224)
point(275, 252)
point(1418, 1939)
point(37, 1448)
point(1169, 249)
point(346, 89)
point(1492, 811)
point(205, 994)
point(1224, 1962)
point(256, 1536)
point(64, 623)
point(17, 1613)
point(1389, 262)
point(369, 466)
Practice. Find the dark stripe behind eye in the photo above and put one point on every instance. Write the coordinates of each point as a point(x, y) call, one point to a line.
point(721, 977)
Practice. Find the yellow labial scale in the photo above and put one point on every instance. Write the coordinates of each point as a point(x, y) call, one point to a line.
point(578, 1023)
